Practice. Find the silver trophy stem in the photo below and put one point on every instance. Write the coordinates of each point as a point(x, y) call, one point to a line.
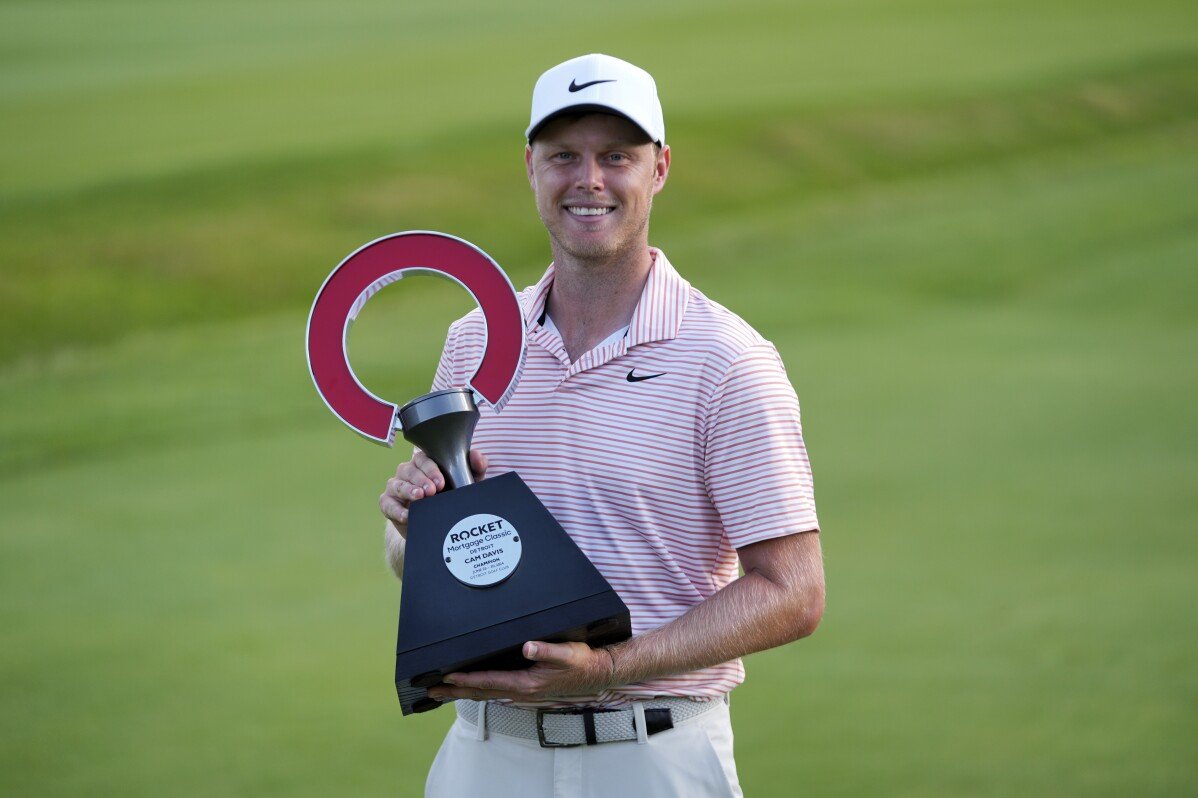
point(441, 424)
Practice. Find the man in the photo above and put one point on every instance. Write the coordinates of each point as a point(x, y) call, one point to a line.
point(661, 432)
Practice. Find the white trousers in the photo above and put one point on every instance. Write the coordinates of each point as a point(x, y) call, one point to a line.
point(692, 760)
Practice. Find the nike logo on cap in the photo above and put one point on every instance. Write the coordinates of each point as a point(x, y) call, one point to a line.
point(633, 378)
point(580, 86)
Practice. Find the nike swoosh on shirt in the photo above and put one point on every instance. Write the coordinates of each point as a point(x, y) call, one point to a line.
point(580, 86)
point(633, 378)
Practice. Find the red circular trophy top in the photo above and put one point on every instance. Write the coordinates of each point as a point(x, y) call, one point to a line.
point(384, 261)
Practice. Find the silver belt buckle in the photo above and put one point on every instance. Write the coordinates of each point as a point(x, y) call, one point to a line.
point(541, 713)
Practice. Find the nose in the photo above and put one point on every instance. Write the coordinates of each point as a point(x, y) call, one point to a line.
point(590, 174)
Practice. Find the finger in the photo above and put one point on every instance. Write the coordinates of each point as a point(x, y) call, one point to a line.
point(446, 693)
point(394, 511)
point(397, 489)
point(412, 483)
point(404, 490)
point(506, 681)
point(428, 468)
point(483, 685)
point(478, 463)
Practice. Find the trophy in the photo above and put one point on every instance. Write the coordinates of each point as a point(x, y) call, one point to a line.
point(486, 567)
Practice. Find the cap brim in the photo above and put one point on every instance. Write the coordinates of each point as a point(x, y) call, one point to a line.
point(584, 108)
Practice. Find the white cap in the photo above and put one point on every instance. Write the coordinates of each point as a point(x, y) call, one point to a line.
point(599, 83)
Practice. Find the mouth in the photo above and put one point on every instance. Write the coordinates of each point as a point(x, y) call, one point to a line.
point(589, 212)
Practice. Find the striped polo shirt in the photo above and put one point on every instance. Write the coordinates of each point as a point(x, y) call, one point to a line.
point(660, 453)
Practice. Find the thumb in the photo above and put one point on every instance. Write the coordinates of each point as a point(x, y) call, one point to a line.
point(478, 463)
point(553, 653)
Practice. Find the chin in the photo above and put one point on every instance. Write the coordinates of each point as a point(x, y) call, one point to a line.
point(589, 250)
point(598, 248)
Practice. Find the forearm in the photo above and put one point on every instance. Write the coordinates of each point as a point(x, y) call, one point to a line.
point(779, 599)
point(395, 547)
point(754, 613)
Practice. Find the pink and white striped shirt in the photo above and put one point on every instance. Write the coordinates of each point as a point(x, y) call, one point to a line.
point(659, 479)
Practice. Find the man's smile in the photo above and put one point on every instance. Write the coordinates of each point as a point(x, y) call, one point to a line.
point(581, 211)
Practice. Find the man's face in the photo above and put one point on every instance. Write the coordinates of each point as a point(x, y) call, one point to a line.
point(594, 178)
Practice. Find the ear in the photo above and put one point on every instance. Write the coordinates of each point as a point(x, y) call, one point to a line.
point(528, 165)
point(661, 169)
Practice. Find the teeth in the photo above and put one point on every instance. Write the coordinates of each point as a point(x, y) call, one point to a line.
point(588, 211)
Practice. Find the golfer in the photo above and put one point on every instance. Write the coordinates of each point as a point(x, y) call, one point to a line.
point(663, 434)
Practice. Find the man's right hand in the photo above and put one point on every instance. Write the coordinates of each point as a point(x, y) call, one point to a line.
point(416, 479)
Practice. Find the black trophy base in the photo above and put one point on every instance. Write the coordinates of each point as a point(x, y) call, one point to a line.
point(553, 593)
point(504, 644)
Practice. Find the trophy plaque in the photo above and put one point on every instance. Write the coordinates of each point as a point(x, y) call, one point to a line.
point(487, 567)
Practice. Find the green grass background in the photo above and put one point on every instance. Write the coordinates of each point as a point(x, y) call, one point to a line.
point(970, 227)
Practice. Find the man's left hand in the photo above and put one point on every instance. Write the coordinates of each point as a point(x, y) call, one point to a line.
point(561, 669)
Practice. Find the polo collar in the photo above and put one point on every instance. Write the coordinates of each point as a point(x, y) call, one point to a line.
point(659, 311)
point(658, 314)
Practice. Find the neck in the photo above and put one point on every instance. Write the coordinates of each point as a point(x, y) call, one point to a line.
point(590, 300)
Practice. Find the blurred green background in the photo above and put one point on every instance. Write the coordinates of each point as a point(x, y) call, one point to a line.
point(970, 227)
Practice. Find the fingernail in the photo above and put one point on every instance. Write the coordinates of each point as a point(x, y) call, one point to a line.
point(450, 680)
point(429, 488)
point(532, 650)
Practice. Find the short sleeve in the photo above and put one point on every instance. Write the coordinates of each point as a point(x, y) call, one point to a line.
point(755, 462)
